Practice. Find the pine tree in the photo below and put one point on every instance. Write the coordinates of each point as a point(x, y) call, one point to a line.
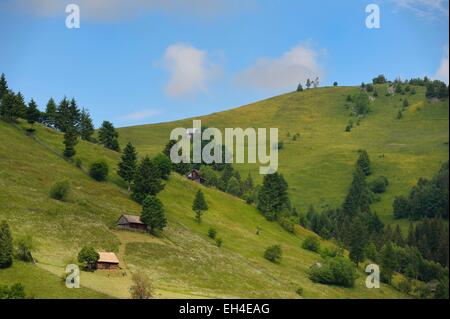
point(128, 164)
point(51, 113)
point(397, 237)
point(411, 239)
point(273, 197)
point(3, 86)
point(153, 213)
point(364, 162)
point(32, 113)
point(308, 83)
point(20, 106)
point(299, 88)
point(8, 110)
point(164, 165)
point(146, 181)
point(358, 241)
point(199, 206)
point(6, 246)
point(388, 263)
point(234, 187)
point(358, 198)
point(70, 140)
point(86, 125)
point(108, 135)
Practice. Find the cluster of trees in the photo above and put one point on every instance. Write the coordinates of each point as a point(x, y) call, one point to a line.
point(8, 252)
point(422, 255)
point(65, 117)
point(427, 199)
point(145, 180)
point(337, 271)
point(311, 83)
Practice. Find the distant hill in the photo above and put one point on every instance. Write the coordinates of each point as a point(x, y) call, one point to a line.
point(318, 166)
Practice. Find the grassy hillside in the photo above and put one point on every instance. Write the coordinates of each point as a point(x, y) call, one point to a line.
point(319, 165)
point(183, 263)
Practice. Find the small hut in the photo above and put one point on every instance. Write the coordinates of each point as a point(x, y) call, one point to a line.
point(108, 261)
point(131, 222)
point(195, 176)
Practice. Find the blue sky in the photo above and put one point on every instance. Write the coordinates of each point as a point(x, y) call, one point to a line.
point(146, 61)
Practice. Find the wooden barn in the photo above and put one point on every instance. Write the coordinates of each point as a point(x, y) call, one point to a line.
point(194, 175)
point(131, 222)
point(108, 261)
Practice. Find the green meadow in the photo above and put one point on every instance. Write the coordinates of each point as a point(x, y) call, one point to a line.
point(184, 262)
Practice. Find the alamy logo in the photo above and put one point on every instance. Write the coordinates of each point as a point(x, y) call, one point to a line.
point(73, 276)
point(73, 19)
point(238, 142)
point(373, 19)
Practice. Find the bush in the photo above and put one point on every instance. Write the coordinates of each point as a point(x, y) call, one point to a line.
point(219, 242)
point(311, 243)
point(299, 291)
point(379, 185)
point(60, 190)
point(405, 286)
point(24, 247)
point(78, 162)
point(273, 253)
point(99, 170)
point(212, 233)
point(335, 271)
point(16, 291)
point(287, 224)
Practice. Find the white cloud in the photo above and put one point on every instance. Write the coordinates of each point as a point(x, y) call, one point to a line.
point(425, 8)
point(119, 9)
point(442, 72)
point(140, 115)
point(190, 70)
point(294, 66)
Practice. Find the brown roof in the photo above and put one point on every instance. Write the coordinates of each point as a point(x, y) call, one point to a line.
point(106, 257)
point(133, 219)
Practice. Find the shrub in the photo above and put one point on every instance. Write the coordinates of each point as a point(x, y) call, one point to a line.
point(24, 247)
point(405, 286)
point(287, 224)
point(60, 190)
point(379, 185)
point(333, 252)
point(299, 291)
point(335, 271)
point(212, 233)
point(99, 170)
point(311, 243)
point(78, 162)
point(219, 242)
point(142, 287)
point(88, 258)
point(16, 291)
point(273, 253)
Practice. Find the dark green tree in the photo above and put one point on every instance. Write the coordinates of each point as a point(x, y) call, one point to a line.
point(6, 246)
point(199, 206)
point(108, 135)
point(234, 187)
point(388, 262)
point(273, 197)
point(20, 106)
point(128, 164)
point(299, 88)
point(70, 141)
point(32, 113)
point(273, 253)
point(363, 162)
point(88, 258)
point(358, 197)
point(8, 109)
point(86, 125)
point(99, 170)
point(51, 113)
point(146, 181)
point(153, 214)
point(3, 86)
point(358, 241)
point(164, 165)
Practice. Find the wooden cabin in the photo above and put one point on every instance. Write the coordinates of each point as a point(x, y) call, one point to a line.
point(194, 175)
point(131, 222)
point(108, 261)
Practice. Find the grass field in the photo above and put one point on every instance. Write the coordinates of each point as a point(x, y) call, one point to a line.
point(182, 263)
point(319, 165)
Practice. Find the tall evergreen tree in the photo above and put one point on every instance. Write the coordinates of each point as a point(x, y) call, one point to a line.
point(388, 262)
point(364, 162)
point(164, 165)
point(108, 135)
point(146, 181)
point(358, 198)
point(86, 125)
point(68, 116)
point(358, 241)
point(153, 213)
point(273, 197)
point(8, 111)
point(199, 206)
point(51, 113)
point(3, 86)
point(70, 140)
point(397, 237)
point(32, 113)
point(6, 246)
point(20, 106)
point(128, 164)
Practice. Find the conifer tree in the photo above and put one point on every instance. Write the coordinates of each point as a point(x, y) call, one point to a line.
point(70, 140)
point(51, 113)
point(153, 213)
point(8, 111)
point(273, 197)
point(397, 237)
point(199, 206)
point(86, 125)
point(3, 86)
point(6, 246)
point(32, 113)
point(146, 181)
point(358, 197)
point(128, 164)
point(358, 241)
point(164, 165)
point(20, 106)
point(108, 135)
point(364, 162)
